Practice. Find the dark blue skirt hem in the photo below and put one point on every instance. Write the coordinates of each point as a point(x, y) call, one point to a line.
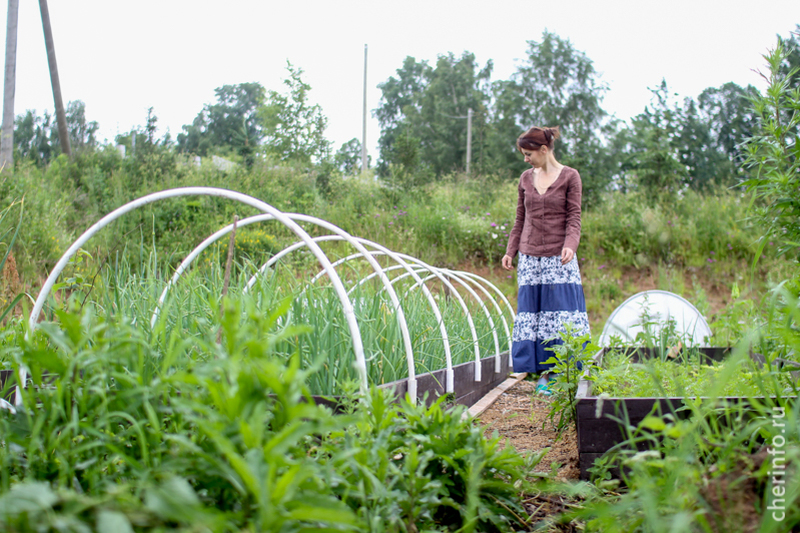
point(529, 356)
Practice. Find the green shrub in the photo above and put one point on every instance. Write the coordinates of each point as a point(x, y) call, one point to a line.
point(157, 429)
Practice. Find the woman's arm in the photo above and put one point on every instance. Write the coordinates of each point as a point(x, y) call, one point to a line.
point(573, 222)
point(516, 232)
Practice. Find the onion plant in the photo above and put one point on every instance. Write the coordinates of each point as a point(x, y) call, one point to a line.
point(193, 300)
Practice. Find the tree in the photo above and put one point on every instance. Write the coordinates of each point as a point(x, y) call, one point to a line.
point(36, 137)
point(728, 110)
point(81, 132)
point(429, 106)
point(294, 129)
point(348, 158)
point(399, 101)
point(653, 158)
point(502, 155)
point(231, 123)
point(142, 141)
point(703, 136)
point(697, 150)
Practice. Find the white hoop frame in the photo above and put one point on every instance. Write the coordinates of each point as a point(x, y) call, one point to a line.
point(214, 192)
point(436, 272)
point(412, 376)
point(290, 221)
point(341, 235)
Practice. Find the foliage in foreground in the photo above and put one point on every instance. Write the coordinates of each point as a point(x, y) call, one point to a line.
point(722, 468)
point(713, 464)
point(128, 431)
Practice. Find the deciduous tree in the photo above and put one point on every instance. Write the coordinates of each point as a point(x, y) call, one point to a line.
point(703, 136)
point(348, 158)
point(427, 107)
point(230, 124)
point(294, 128)
point(654, 160)
point(36, 137)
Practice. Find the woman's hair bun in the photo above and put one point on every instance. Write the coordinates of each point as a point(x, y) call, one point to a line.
point(536, 137)
point(552, 133)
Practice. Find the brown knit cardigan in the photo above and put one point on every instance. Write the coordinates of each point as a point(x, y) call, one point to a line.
point(547, 223)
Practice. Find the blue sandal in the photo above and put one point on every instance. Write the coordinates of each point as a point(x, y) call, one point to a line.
point(543, 390)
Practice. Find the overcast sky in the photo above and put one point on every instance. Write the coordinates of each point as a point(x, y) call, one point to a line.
point(122, 58)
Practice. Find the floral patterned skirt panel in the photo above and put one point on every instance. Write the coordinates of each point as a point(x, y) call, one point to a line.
point(550, 296)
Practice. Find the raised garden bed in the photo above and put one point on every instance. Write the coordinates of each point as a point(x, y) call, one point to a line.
point(466, 391)
point(431, 385)
point(597, 428)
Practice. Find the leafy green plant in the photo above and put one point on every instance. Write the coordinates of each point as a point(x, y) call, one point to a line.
point(709, 471)
point(150, 430)
point(569, 359)
point(418, 467)
point(773, 154)
point(690, 374)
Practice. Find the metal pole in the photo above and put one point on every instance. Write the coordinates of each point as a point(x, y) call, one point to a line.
point(469, 137)
point(7, 135)
point(63, 135)
point(364, 126)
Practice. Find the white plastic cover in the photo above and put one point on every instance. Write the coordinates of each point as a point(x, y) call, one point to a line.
point(657, 308)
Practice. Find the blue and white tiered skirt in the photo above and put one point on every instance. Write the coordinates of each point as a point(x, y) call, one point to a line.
point(550, 296)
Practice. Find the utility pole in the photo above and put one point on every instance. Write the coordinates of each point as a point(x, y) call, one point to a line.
point(7, 134)
point(364, 125)
point(63, 135)
point(469, 137)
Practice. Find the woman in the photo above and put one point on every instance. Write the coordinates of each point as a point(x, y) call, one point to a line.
point(546, 234)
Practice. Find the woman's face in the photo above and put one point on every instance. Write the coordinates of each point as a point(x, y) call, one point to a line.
point(534, 158)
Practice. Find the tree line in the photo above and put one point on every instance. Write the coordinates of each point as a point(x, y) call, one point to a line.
point(673, 144)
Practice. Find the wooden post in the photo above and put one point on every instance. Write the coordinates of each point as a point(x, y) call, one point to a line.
point(227, 279)
point(7, 135)
point(63, 134)
point(364, 127)
point(469, 137)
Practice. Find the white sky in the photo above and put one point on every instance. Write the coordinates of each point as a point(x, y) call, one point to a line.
point(121, 58)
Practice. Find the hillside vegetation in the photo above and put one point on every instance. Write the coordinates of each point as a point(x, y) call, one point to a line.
point(699, 245)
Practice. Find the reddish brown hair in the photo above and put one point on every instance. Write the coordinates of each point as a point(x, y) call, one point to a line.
point(536, 137)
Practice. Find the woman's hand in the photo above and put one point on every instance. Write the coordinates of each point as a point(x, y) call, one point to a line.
point(508, 262)
point(566, 255)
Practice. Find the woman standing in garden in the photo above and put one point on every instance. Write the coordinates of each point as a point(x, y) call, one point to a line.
point(546, 234)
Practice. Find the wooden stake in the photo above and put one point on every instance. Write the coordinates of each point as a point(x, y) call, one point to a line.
point(61, 119)
point(228, 266)
point(7, 136)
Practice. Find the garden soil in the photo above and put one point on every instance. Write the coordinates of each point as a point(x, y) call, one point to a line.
point(520, 417)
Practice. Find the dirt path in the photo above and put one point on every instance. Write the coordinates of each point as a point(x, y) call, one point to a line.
point(520, 417)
